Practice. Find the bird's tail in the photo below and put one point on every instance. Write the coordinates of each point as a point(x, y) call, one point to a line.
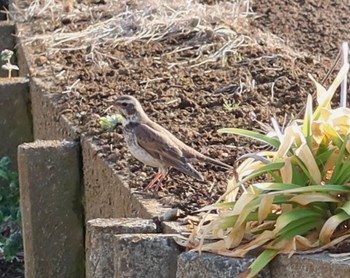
point(188, 169)
point(215, 162)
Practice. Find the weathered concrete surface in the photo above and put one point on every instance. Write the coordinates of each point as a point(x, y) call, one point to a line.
point(7, 41)
point(193, 265)
point(311, 266)
point(21, 53)
point(48, 121)
point(51, 207)
point(106, 195)
point(174, 228)
point(99, 242)
point(145, 256)
point(15, 116)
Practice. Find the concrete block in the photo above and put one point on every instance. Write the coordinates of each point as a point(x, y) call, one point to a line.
point(51, 206)
point(99, 242)
point(319, 265)
point(194, 265)
point(48, 121)
point(22, 51)
point(15, 116)
point(107, 195)
point(145, 256)
point(174, 228)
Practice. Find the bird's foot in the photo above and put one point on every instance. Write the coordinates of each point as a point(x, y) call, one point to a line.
point(155, 182)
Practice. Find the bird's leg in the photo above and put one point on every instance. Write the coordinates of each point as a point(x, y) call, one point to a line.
point(157, 180)
point(161, 178)
point(153, 181)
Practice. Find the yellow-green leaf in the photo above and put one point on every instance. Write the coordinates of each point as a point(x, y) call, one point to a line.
point(272, 186)
point(296, 216)
point(320, 90)
point(332, 134)
point(265, 207)
point(316, 188)
point(251, 134)
point(331, 224)
point(308, 121)
point(242, 202)
point(306, 156)
point(325, 98)
point(345, 207)
point(259, 263)
point(267, 169)
point(307, 198)
point(287, 170)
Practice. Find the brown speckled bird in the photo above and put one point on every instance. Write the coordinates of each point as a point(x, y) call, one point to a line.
point(155, 146)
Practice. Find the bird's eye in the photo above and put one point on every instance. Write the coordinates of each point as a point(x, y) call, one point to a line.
point(124, 104)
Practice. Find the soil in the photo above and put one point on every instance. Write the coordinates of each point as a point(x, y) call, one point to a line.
point(264, 77)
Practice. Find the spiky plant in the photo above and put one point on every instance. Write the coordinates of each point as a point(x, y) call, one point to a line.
point(303, 202)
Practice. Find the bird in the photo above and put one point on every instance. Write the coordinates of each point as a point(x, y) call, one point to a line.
point(155, 146)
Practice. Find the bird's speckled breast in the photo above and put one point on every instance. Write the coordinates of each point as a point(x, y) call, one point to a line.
point(136, 150)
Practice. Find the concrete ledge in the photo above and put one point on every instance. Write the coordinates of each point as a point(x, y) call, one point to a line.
point(106, 195)
point(194, 265)
point(173, 227)
point(99, 242)
point(145, 256)
point(51, 208)
point(48, 124)
point(319, 265)
point(15, 116)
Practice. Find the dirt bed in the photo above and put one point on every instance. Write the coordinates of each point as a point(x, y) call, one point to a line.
point(258, 63)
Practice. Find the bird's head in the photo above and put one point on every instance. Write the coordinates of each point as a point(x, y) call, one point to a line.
point(130, 108)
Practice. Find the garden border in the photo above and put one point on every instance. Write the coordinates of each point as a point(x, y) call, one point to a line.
point(103, 188)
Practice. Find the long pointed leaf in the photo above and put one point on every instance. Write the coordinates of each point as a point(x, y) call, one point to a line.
point(345, 207)
point(251, 134)
point(287, 218)
point(325, 98)
point(315, 188)
point(267, 169)
point(308, 121)
point(299, 227)
point(339, 161)
point(307, 198)
point(344, 174)
point(260, 262)
point(272, 186)
point(330, 225)
point(306, 156)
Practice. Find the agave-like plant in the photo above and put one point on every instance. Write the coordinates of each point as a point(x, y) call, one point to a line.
point(303, 203)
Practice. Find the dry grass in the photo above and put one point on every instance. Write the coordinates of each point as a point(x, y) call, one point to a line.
point(216, 27)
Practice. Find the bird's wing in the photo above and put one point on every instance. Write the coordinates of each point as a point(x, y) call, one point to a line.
point(164, 149)
point(187, 151)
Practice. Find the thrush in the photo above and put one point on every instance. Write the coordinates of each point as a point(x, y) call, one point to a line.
point(155, 146)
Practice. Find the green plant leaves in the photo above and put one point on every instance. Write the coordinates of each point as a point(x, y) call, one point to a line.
point(304, 200)
point(251, 134)
point(10, 217)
